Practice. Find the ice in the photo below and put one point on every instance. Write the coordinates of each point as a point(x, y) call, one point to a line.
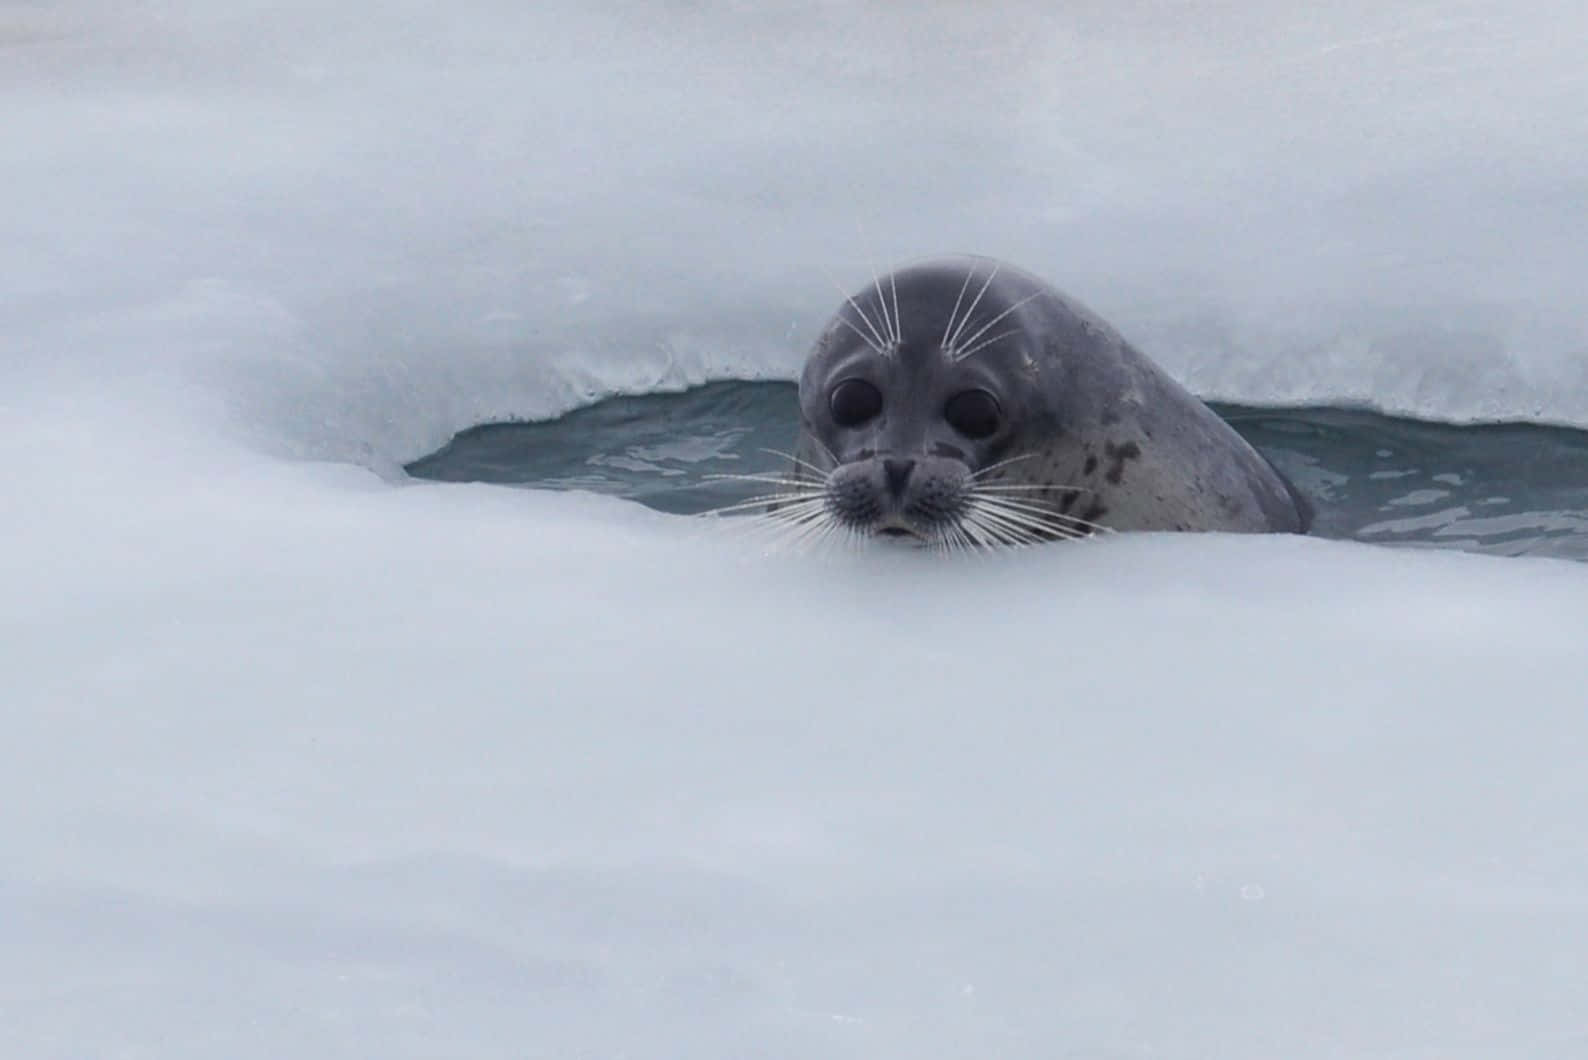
point(302, 758)
point(395, 220)
point(298, 762)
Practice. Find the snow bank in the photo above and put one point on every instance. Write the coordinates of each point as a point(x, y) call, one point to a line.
point(301, 763)
point(366, 229)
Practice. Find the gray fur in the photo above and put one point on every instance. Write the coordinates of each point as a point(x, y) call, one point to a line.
point(1121, 443)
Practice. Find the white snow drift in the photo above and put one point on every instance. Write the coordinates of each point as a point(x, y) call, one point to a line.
point(305, 759)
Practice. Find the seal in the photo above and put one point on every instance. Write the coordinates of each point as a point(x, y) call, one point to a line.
point(964, 402)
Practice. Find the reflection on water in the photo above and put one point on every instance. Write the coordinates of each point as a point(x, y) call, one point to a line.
point(1509, 489)
point(659, 449)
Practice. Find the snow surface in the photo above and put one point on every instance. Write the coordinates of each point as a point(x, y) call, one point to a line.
point(298, 763)
point(367, 226)
point(304, 759)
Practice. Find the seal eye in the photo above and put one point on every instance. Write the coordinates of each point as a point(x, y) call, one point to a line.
point(854, 401)
point(973, 413)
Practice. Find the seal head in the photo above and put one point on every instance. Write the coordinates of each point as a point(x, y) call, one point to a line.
point(966, 402)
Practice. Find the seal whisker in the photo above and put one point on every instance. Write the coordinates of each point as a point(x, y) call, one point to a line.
point(1024, 535)
point(967, 539)
point(876, 341)
point(782, 497)
point(773, 504)
point(850, 325)
point(817, 511)
point(793, 531)
point(760, 524)
point(799, 539)
point(882, 305)
point(837, 538)
point(948, 539)
point(1079, 526)
point(772, 532)
point(882, 309)
point(1003, 533)
point(1015, 498)
point(1038, 522)
point(773, 523)
point(955, 537)
point(1007, 531)
point(1016, 487)
point(1002, 463)
point(1047, 513)
point(984, 343)
point(1010, 508)
point(826, 449)
point(979, 532)
point(985, 327)
point(785, 506)
point(898, 321)
point(969, 543)
point(969, 273)
point(818, 535)
point(1036, 515)
point(768, 477)
point(822, 538)
point(1008, 538)
point(989, 533)
point(851, 537)
point(797, 508)
point(1004, 538)
point(797, 462)
point(991, 276)
point(1002, 499)
point(784, 501)
point(786, 491)
point(786, 496)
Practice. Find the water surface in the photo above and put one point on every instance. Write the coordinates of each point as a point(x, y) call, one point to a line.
point(1507, 489)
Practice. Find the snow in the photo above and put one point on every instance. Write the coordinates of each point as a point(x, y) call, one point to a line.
point(306, 759)
point(392, 220)
point(299, 762)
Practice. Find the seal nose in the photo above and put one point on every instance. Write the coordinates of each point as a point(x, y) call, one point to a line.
point(897, 473)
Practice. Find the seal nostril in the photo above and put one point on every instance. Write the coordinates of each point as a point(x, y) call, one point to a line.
point(897, 472)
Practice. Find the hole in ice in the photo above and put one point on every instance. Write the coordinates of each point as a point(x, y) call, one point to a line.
point(1509, 489)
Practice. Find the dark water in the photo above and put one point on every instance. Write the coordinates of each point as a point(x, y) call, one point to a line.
point(1507, 489)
